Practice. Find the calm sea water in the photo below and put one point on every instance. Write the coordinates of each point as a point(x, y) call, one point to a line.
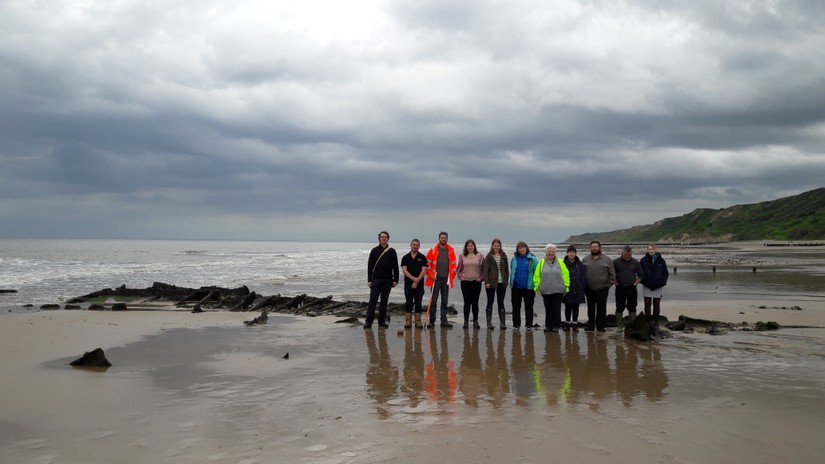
point(52, 271)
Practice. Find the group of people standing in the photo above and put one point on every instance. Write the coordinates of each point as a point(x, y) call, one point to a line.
point(567, 281)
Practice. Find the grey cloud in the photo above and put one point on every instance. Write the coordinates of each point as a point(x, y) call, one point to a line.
point(468, 107)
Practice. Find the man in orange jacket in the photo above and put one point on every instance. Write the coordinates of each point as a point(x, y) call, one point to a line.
point(441, 269)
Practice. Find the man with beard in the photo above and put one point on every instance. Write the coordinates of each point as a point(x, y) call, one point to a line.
point(382, 276)
point(628, 275)
point(441, 272)
point(413, 266)
point(601, 275)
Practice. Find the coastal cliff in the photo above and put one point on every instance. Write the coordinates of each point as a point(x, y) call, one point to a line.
point(800, 217)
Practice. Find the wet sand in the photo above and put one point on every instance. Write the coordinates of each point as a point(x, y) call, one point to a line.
point(203, 388)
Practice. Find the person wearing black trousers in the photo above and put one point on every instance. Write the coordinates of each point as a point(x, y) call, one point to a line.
point(601, 275)
point(656, 275)
point(578, 284)
point(382, 276)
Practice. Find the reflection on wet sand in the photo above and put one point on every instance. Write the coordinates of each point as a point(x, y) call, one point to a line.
point(470, 380)
point(496, 375)
point(639, 370)
point(382, 374)
point(572, 368)
point(524, 367)
point(413, 383)
point(441, 380)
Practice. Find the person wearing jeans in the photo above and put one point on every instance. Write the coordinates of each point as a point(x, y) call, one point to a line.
point(441, 271)
point(522, 268)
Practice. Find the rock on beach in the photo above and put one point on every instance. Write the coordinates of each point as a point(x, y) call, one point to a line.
point(231, 299)
point(94, 358)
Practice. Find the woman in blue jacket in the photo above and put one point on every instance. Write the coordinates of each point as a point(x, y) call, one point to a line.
point(522, 268)
point(656, 274)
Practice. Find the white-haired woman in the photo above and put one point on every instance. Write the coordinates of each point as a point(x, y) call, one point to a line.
point(551, 280)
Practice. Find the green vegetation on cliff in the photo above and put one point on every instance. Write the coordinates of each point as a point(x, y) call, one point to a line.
point(800, 217)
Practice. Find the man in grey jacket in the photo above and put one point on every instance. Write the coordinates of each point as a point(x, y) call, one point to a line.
point(601, 275)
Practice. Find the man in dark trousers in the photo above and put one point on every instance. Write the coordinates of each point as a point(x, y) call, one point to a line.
point(601, 275)
point(382, 276)
point(629, 273)
point(413, 266)
point(441, 271)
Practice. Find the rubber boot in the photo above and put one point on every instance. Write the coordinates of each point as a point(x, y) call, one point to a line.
point(489, 313)
point(619, 321)
point(630, 316)
point(501, 318)
point(407, 320)
point(418, 324)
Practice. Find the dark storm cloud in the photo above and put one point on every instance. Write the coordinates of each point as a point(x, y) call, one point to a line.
point(322, 120)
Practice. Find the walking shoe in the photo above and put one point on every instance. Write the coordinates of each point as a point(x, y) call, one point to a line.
point(503, 327)
point(566, 327)
point(447, 325)
point(575, 327)
point(490, 327)
point(430, 325)
point(475, 325)
point(383, 326)
point(466, 325)
point(367, 326)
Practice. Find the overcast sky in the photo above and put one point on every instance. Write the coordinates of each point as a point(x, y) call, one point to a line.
point(331, 120)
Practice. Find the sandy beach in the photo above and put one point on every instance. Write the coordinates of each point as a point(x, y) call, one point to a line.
point(204, 388)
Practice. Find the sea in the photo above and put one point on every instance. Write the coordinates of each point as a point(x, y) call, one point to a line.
point(48, 271)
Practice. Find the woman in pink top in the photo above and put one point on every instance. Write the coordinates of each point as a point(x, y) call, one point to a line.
point(469, 273)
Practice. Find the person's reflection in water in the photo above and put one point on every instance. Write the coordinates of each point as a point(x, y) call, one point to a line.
point(597, 370)
point(413, 384)
point(555, 373)
point(440, 378)
point(652, 372)
point(496, 372)
point(524, 368)
point(627, 374)
point(470, 379)
point(382, 376)
point(576, 368)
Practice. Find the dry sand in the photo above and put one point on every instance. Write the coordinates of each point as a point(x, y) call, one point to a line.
point(195, 388)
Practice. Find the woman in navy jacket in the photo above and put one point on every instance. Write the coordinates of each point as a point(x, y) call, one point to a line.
point(575, 297)
point(656, 274)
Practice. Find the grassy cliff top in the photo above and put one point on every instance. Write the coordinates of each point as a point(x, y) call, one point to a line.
point(800, 217)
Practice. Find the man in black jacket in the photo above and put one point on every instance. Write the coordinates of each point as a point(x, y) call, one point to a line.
point(628, 275)
point(382, 276)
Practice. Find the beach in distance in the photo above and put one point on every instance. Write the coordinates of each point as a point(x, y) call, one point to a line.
point(205, 388)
